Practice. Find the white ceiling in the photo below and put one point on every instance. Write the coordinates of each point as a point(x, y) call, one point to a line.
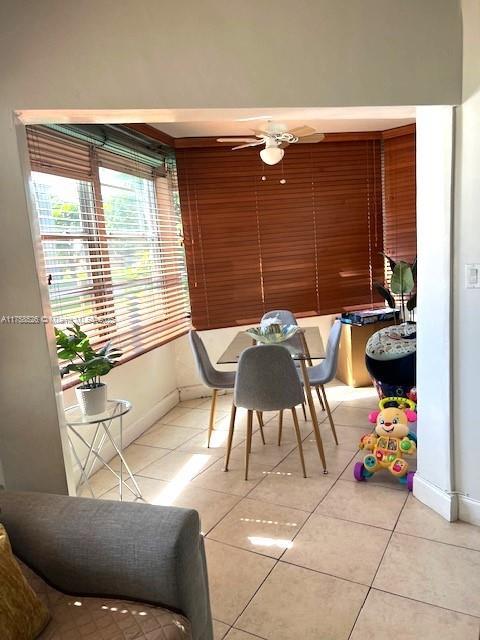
point(181, 123)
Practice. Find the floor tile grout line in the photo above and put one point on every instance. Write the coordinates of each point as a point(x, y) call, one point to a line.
point(325, 573)
point(378, 566)
point(448, 544)
point(188, 409)
point(245, 497)
point(335, 517)
point(254, 635)
point(428, 604)
point(276, 560)
point(319, 503)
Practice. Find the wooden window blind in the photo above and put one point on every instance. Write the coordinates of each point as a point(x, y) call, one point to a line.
point(112, 242)
point(399, 192)
point(310, 244)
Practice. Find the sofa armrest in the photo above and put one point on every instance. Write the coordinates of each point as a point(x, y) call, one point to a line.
point(124, 550)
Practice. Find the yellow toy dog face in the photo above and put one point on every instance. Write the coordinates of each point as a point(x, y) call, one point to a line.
point(392, 421)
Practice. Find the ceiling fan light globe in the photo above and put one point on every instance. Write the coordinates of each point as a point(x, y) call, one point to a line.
point(271, 155)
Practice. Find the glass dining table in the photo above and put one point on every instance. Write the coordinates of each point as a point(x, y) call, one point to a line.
point(304, 347)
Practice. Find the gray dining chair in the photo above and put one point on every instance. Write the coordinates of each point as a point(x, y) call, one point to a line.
point(288, 317)
point(213, 379)
point(267, 380)
point(324, 372)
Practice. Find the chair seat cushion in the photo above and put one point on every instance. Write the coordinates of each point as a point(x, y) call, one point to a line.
point(88, 618)
point(223, 379)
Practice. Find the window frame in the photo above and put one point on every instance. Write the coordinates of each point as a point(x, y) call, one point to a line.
point(94, 236)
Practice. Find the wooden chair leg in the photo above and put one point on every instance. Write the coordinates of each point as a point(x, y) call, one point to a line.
point(304, 412)
point(329, 414)
point(280, 426)
point(260, 424)
point(299, 440)
point(230, 436)
point(248, 444)
point(320, 399)
point(212, 416)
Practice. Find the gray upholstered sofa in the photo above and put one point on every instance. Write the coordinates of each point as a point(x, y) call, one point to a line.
point(108, 554)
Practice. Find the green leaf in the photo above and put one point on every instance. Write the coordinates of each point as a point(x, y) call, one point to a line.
point(391, 261)
point(412, 303)
point(402, 278)
point(385, 293)
point(414, 269)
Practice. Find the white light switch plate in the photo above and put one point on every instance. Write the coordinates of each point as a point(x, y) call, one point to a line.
point(472, 276)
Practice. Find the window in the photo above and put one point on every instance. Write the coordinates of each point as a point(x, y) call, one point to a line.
point(399, 189)
point(112, 242)
point(304, 235)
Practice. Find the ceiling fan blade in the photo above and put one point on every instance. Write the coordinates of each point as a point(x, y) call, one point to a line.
point(284, 145)
point(237, 139)
point(316, 137)
point(302, 131)
point(259, 132)
point(249, 144)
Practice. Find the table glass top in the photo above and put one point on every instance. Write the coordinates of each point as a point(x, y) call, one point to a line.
point(115, 409)
point(304, 345)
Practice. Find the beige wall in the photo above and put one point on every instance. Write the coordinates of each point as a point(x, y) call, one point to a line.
point(220, 53)
point(466, 337)
point(105, 54)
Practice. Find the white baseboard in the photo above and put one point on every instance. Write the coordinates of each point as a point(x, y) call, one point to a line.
point(469, 510)
point(135, 430)
point(442, 502)
point(198, 391)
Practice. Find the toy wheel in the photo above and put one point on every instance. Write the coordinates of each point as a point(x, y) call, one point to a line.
point(358, 471)
point(410, 475)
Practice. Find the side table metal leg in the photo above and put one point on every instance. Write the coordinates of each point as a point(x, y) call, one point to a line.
point(82, 470)
point(137, 493)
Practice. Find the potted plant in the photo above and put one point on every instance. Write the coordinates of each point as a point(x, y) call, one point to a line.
point(73, 345)
point(402, 283)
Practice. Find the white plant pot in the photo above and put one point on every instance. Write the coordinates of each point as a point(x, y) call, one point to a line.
point(92, 401)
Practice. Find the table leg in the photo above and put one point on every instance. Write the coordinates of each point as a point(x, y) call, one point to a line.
point(124, 463)
point(313, 413)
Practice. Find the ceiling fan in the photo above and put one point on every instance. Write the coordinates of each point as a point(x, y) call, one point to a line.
point(276, 137)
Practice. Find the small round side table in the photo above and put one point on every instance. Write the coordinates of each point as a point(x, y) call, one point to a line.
point(102, 434)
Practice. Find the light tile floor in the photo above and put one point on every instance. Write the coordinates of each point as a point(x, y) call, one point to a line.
point(322, 558)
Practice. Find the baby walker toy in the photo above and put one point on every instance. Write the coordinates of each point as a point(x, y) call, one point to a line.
point(390, 441)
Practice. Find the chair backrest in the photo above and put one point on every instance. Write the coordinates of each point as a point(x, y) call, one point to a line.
point(203, 362)
point(285, 316)
point(331, 355)
point(267, 379)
